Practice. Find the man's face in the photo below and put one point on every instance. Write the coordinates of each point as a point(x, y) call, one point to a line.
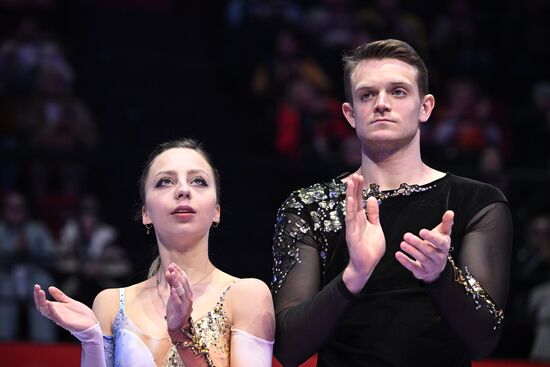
point(387, 107)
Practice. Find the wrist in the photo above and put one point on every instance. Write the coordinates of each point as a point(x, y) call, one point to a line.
point(184, 331)
point(354, 280)
point(186, 339)
point(431, 279)
point(91, 334)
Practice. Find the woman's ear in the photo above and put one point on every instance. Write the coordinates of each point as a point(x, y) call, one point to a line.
point(145, 216)
point(218, 213)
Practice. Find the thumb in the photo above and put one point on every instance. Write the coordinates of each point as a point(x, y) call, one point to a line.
point(59, 295)
point(447, 222)
point(373, 211)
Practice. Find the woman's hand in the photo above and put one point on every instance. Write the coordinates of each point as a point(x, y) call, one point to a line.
point(64, 311)
point(180, 301)
point(364, 236)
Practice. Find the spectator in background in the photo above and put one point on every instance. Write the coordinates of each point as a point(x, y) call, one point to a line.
point(534, 256)
point(535, 276)
point(332, 23)
point(20, 54)
point(532, 124)
point(531, 275)
point(240, 12)
point(465, 125)
point(459, 40)
point(47, 132)
point(27, 253)
point(387, 18)
point(271, 79)
point(309, 125)
point(89, 257)
point(57, 127)
point(539, 308)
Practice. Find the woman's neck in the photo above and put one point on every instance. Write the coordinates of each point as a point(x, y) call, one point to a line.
point(193, 260)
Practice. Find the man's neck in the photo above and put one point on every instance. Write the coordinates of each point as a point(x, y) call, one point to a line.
point(392, 169)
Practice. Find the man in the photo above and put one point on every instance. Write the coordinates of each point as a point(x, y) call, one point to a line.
point(397, 264)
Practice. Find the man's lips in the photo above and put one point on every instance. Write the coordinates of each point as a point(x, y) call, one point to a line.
point(382, 120)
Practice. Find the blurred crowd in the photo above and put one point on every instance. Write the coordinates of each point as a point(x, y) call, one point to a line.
point(51, 229)
point(488, 72)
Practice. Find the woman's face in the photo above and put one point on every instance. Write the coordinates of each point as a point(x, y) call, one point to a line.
point(180, 195)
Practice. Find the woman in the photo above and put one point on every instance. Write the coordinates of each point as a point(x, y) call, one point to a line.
point(188, 312)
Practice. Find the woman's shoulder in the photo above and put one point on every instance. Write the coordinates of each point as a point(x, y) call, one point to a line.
point(251, 307)
point(107, 298)
point(249, 286)
point(108, 301)
point(240, 287)
point(249, 296)
point(105, 307)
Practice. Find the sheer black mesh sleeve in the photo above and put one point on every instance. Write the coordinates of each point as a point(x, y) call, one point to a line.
point(306, 314)
point(483, 262)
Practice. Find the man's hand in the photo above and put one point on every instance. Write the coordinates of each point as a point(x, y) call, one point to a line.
point(429, 250)
point(364, 236)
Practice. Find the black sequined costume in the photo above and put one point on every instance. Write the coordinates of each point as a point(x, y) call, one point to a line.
point(396, 320)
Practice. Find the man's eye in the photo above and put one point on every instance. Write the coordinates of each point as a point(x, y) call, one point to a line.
point(399, 92)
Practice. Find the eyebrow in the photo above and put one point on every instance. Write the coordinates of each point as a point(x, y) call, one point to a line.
point(174, 173)
point(195, 171)
point(393, 84)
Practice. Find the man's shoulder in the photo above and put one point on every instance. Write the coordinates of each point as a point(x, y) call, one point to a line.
point(318, 192)
point(465, 186)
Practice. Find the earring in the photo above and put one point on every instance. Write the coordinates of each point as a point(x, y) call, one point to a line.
point(215, 224)
point(148, 229)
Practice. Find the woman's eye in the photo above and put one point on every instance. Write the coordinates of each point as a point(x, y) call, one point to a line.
point(199, 181)
point(165, 181)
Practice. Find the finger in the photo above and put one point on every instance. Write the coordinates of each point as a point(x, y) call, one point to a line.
point(414, 252)
point(426, 248)
point(58, 295)
point(180, 274)
point(437, 240)
point(407, 262)
point(44, 306)
point(187, 288)
point(373, 211)
point(350, 213)
point(180, 284)
point(180, 292)
point(175, 297)
point(174, 267)
point(35, 296)
point(447, 222)
point(41, 302)
point(171, 279)
point(358, 195)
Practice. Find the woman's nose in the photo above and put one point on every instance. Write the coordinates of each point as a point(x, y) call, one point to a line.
point(183, 191)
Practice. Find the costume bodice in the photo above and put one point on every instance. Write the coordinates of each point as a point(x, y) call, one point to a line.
point(131, 346)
